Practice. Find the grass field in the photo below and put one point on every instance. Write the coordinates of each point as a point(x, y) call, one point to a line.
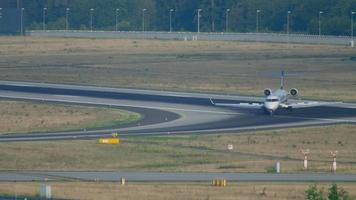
point(207, 66)
point(221, 67)
point(170, 191)
point(253, 152)
point(25, 117)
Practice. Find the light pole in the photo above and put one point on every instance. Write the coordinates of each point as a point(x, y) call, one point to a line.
point(320, 12)
point(288, 21)
point(67, 22)
point(0, 13)
point(143, 19)
point(22, 9)
point(117, 19)
point(170, 20)
point(199, 10)
point(352, 25)
point(44, 18)
point(91, 18)
point(257, 20)
point(227, 20)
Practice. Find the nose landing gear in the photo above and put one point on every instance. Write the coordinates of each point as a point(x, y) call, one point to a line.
point(268, 111)
point(271, 113)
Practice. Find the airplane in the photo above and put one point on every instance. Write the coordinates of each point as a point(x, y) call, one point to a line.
point(275, 100)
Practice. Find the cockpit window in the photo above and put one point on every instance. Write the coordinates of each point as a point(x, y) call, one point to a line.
point(272, 100)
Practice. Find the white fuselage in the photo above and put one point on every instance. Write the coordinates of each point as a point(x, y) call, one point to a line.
point(273, 101)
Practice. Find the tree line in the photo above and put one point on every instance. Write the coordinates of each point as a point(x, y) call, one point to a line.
point(304, 17)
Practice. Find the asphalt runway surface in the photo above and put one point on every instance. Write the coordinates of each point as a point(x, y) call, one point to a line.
point(168, 112)
point(170, 176)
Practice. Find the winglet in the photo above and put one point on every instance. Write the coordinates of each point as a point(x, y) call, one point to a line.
point(212, 102)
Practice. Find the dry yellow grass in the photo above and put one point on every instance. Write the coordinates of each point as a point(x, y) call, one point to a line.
point(254, 152)
point(170, 191)
point(258, 152)
point(24, 117)
point(223, 67)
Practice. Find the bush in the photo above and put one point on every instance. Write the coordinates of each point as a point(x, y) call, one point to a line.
point(335, 193)
point(314, 194)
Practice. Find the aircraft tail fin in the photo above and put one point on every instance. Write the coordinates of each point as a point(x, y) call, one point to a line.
point(282, 79)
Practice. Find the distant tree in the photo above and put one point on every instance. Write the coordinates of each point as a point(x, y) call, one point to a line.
point(335, 19)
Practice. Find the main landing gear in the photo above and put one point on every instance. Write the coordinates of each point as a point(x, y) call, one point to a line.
point(290, 108)
point(268, 112)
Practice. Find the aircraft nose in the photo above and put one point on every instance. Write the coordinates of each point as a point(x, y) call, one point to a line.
point(270, 106)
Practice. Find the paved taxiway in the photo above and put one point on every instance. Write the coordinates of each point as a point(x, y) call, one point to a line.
point(167, 112)
point(169, 176)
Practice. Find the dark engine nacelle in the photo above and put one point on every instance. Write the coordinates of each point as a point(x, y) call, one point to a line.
point(294, 92)
point(267, 91)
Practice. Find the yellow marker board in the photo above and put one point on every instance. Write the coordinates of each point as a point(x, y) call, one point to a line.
point(109, 141)
point(219, 182)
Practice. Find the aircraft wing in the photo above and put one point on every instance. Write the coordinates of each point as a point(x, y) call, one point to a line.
point(238, 105)
point(307, 104)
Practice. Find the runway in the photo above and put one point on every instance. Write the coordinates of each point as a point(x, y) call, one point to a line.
point(171, 176)
point(167, 112)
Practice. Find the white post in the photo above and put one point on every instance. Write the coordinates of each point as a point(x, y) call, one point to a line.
point(333, 166)
point(123, 181)
point(278, 167)
point(230, 147)
point(305, 162)
point(305, 152)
